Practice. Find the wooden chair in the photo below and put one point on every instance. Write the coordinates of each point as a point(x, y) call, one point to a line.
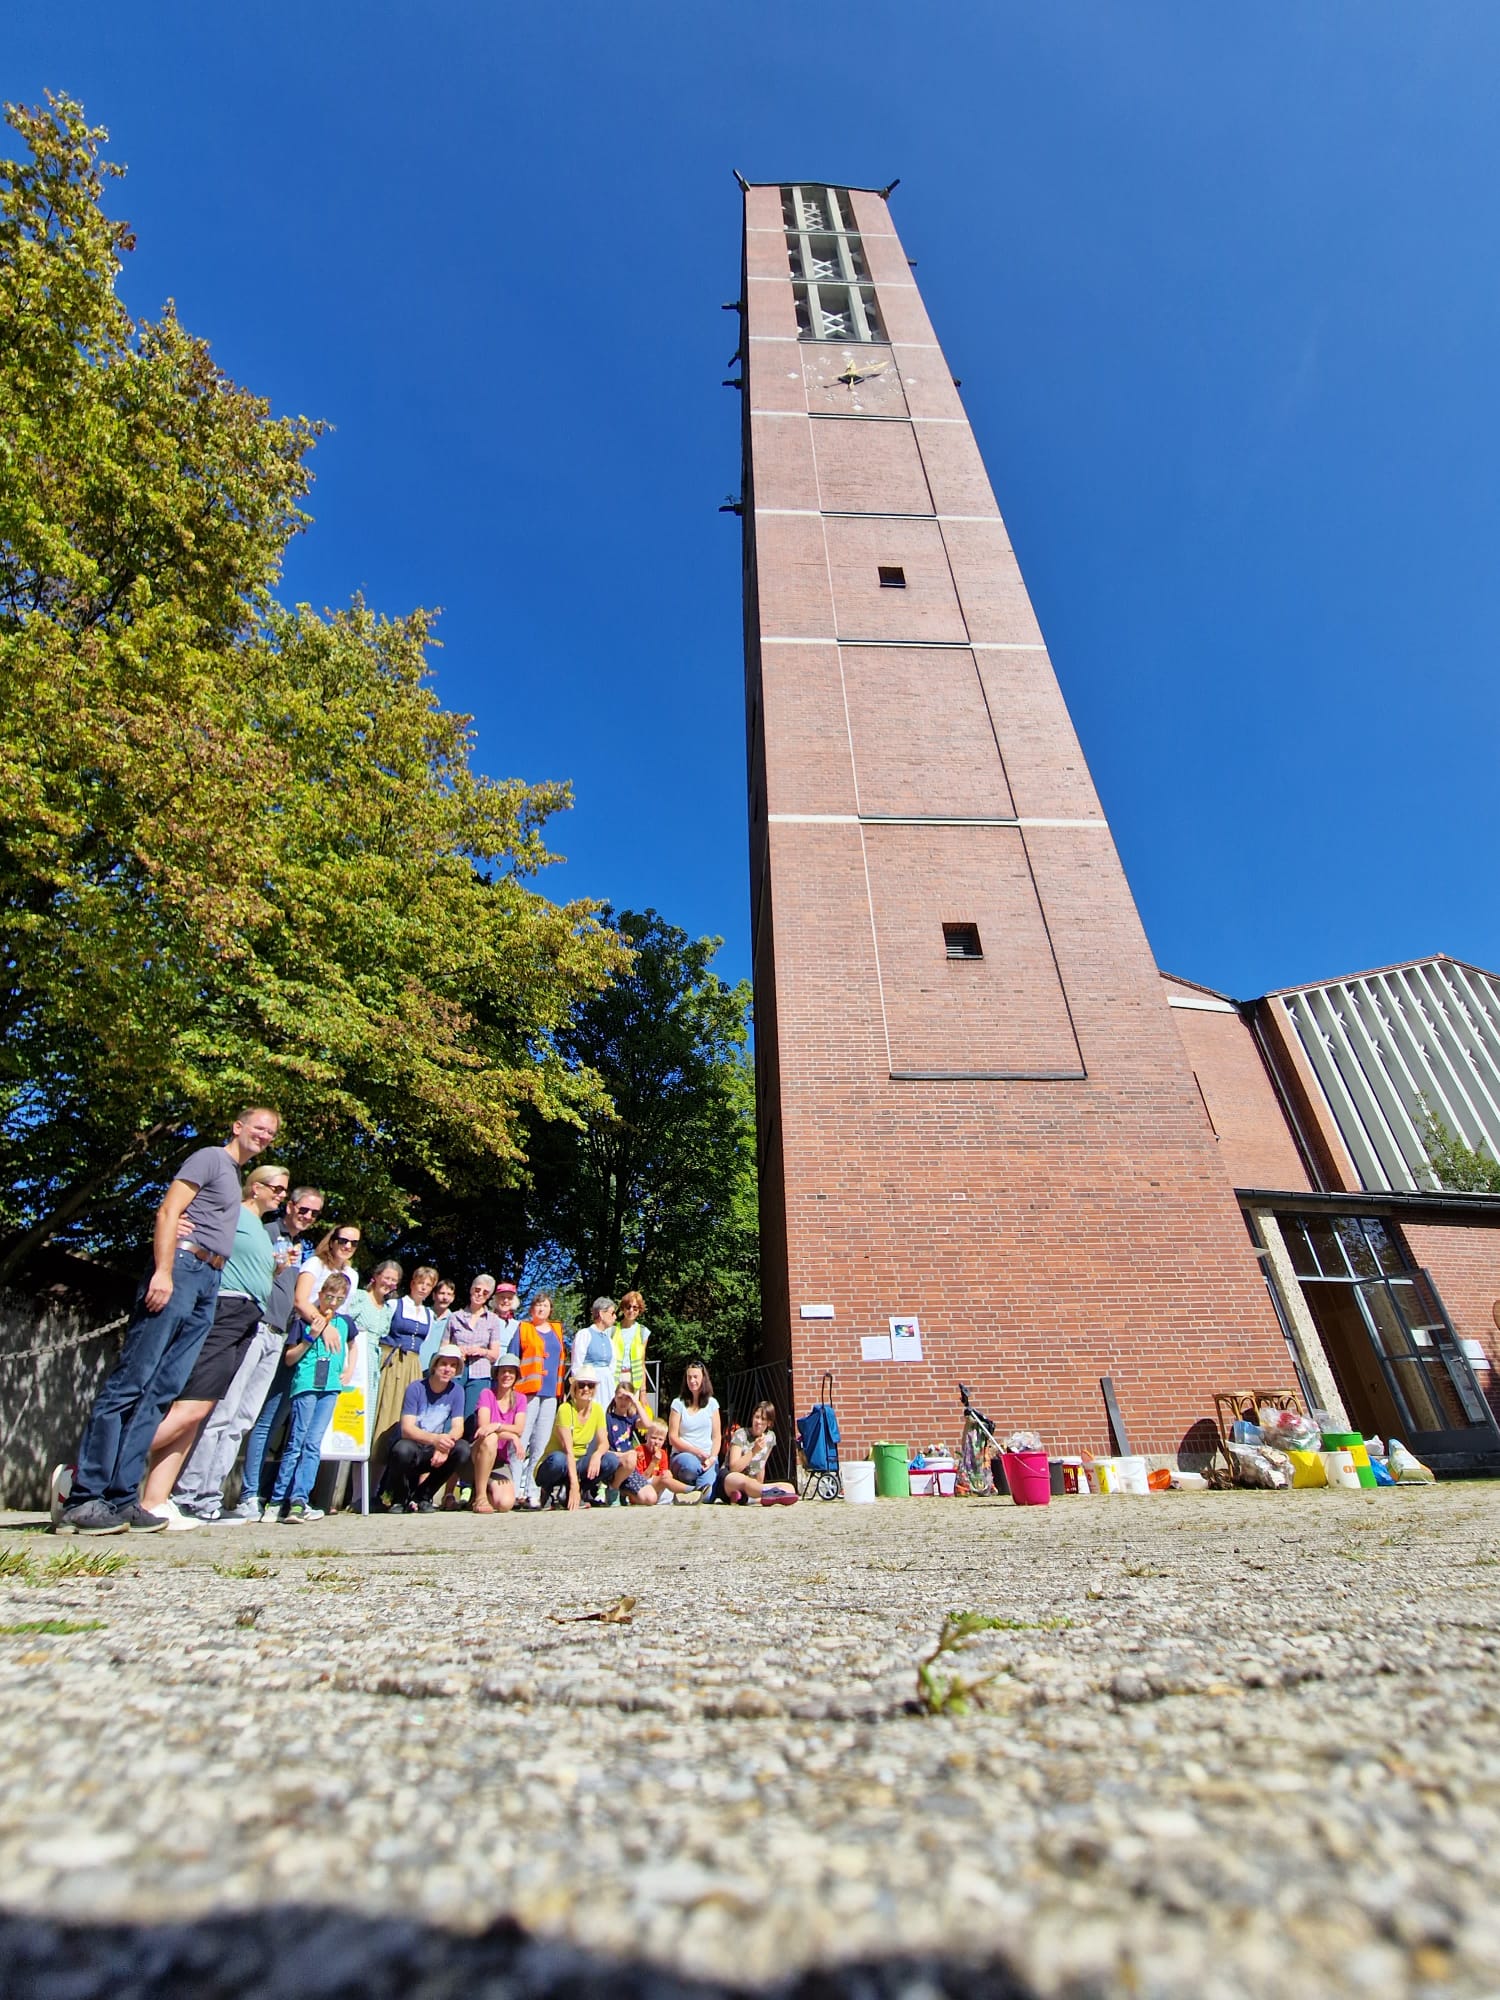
point(1232, 1406)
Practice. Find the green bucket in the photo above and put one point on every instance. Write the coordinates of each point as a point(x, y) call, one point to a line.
point(892, 1479)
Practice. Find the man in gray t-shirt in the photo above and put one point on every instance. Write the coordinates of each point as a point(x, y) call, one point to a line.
point(194, 1235)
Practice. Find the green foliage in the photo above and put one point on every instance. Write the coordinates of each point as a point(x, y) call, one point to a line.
point(69, 1563)
point(52, 1628)
point(951, 1694)
point(656, 1191)
point(242, 851)
point(656, 1188)
point(245, 1569)
point(1459, 1168)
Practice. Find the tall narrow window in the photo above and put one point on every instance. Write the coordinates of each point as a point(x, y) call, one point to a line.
point(830, 278)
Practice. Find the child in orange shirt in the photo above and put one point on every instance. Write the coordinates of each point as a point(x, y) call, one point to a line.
point(652, 1462)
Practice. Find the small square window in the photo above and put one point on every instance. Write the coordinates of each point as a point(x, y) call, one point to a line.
point(891, 577)
point(962, 941)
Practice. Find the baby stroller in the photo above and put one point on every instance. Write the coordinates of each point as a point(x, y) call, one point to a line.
point(818, 1438)
point(979, 1467)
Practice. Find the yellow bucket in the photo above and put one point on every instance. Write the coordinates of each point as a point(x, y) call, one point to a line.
point(1308, 1468)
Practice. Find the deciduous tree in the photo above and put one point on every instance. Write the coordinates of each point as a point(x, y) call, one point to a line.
point(242, 849)
point(657, 1190)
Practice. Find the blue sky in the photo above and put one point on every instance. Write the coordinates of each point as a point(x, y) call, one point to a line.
point(1219, 283)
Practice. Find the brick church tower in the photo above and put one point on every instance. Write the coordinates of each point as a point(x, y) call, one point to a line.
point(974, 1107)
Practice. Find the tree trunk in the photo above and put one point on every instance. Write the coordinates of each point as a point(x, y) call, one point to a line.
point(77, 1199)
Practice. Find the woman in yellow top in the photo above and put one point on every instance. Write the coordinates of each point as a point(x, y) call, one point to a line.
point(630, 1339)
point(577, 1453)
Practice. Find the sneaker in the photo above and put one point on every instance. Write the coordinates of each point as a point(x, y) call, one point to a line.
point(59, 1486)
point(173, 1518)
point(310, 1513)
point(246, 1515)
point(135, 1517)
point(297, 1511)
point(778, 1496)
point(666, 1497)
point(424, 1507)
point(691, 1498)
point(90, 1517)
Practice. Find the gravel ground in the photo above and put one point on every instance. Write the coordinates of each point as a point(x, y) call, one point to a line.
point(1235, 1744)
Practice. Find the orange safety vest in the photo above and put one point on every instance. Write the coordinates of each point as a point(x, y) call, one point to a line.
point(534, 1358)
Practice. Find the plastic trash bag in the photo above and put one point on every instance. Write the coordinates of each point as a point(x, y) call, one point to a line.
point(1406, 1467)
point(1022, 1441)
point(1259, 1465)
point(1288, 1430)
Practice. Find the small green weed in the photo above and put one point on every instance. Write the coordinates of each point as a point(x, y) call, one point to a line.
point(84, 1562)
point(1144, 1569)
point(330, 1579)
point(951, 1694)
point(16, 1562)
point(53, 1628)
point(247, 1569)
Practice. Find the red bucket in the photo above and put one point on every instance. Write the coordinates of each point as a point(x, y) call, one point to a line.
point(1027, 1477)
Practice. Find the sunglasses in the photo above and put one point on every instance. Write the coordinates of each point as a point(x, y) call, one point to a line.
point(307, 1207)
point(346, 1242)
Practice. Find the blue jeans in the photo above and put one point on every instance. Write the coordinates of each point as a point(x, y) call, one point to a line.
point(311, 1415)
point(553, 1470)
point(693, 1472)
point(277, 1397)
point(155, 1361)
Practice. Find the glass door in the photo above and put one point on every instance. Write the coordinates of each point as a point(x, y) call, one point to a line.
point(1425, 1367)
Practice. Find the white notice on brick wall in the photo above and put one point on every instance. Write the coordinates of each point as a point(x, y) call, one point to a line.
point(875, 1347)
point(906, 1340)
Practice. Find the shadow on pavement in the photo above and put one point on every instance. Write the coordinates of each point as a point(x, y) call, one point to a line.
point(296, 1953)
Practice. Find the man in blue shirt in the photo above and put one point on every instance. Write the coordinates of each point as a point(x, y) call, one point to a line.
point(431, 1444)
point(174, 1309)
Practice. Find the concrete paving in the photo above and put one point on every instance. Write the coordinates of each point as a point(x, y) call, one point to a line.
point(1227, 1744)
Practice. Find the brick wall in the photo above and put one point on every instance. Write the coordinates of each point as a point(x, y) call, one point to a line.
point(1013, 1149)
point(1240, 1104)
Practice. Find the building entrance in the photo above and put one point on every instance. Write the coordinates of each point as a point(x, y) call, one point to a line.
point(1401, 1370)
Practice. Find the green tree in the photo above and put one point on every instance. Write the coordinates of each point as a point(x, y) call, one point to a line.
point(657, 1190)
point(1459, 1168)
point(242, 849)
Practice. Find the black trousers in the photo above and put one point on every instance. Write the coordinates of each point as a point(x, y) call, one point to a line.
point(409, 1471)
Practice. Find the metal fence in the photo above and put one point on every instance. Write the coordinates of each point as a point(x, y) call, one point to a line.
point(770, 1383)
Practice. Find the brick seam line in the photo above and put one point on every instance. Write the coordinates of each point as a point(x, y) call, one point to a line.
point(864, 857)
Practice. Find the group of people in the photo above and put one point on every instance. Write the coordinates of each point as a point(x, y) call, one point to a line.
point(252, 1322)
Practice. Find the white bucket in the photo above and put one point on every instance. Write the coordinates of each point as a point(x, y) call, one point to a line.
point(1339, 1465)
point(858, 1476)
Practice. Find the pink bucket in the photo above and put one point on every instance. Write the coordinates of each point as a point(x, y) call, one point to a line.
point(1027, 1477)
